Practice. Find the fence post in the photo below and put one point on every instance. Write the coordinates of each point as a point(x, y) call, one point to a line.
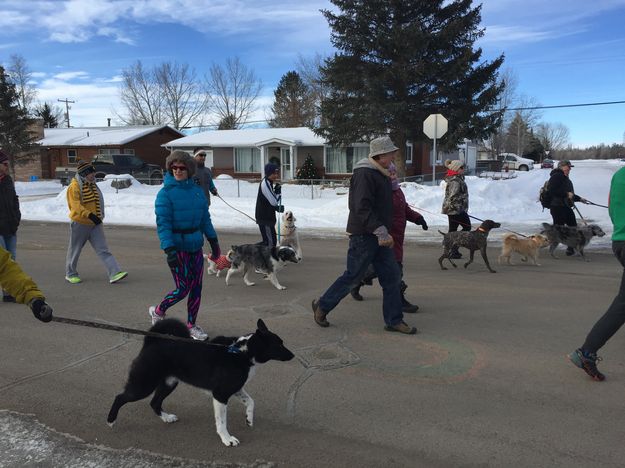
point(312, 190)
point(238, 189)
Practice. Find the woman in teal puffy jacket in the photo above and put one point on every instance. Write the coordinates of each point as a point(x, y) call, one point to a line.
point(182, 223)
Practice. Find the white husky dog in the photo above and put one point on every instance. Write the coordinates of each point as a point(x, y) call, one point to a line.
point(288, 234)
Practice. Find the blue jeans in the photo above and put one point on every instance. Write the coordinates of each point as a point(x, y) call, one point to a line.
point(364, 250)
point(9, 243)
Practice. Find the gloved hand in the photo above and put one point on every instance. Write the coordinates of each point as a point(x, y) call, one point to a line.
point(214, 192)
point(280, 208)
point(584, 201)
point(384, 238)
point(277, 189)
point(215, 250)
point(41, 310)
point(172, 257)
point(95, 219)
point(421, 222)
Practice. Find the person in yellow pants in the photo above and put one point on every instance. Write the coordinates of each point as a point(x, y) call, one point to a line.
point(22, 287)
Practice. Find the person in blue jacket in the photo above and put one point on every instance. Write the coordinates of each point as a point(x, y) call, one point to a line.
point(182, 223)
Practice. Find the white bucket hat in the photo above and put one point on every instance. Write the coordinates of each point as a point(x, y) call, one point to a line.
point(381, 145)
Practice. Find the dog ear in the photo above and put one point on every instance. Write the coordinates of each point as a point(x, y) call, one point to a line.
point(261, 325)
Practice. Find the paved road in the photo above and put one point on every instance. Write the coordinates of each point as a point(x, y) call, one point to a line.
point(484, 383)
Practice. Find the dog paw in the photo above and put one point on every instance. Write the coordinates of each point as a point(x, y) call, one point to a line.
point(249, 422)
point(493, 271)
point(110, 424)
point(168, 418)
point(250, 283)
point(229, 441)
point(281, 287)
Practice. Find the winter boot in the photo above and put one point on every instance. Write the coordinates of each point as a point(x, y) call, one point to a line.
point(407, 307)
point(355, 292)
point(455, 254)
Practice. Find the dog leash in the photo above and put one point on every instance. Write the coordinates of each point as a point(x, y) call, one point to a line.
point(596, 204)
point(132, 331)
point(505, 229)
point(235, 209)
point(580, 215)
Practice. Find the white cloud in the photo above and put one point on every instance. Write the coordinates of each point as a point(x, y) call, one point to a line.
point(72, 75)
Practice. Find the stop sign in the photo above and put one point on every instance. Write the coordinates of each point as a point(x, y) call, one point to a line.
point(435, 126)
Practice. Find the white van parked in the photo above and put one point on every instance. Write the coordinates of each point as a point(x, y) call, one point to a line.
point(513, 162)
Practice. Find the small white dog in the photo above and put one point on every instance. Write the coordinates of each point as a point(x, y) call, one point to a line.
point(222, 263)
point(288, 234)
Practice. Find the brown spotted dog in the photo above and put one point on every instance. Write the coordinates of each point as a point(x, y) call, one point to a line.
point(472, 240)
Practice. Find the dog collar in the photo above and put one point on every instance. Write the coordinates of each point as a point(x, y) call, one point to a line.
point(481, 229)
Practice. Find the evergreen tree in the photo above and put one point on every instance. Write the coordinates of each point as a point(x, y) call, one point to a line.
point(15, 137)
point(48, 115)
point(294, 104)
point(401, 60)
point(517, 136)
point(308, 170)
point(229, 122)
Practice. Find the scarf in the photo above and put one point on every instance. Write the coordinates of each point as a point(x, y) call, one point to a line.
point(451, 173)
point(89, 193)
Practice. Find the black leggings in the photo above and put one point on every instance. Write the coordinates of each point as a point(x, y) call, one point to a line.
point(461, 219)
point(614, 317)
point(268, 231)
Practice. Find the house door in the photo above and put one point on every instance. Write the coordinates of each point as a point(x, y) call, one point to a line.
point(286, 171)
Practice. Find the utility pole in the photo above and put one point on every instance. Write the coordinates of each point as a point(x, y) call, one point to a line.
point(67, 108)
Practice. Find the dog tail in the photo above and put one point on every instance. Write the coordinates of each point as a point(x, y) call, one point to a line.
point(509, 236)
point(167, 327)
point(442, 233)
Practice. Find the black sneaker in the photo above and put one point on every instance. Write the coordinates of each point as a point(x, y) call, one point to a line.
point(587, 362)
point(407, 307)
point(8, 298)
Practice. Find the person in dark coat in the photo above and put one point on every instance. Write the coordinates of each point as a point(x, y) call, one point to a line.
point(203, 175)
point(401, 214)
point(562, 194)
point(10, 214)
point(370, 219)
point(268, 202)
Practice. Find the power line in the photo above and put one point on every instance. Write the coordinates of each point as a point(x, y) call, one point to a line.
point(565, 105)
point(67, 108)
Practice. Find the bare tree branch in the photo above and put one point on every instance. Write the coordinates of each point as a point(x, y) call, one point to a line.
point(184, 101)
point(21, 76)
point(232, 91)
point(141, 96)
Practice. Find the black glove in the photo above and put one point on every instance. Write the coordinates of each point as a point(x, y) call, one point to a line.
point(280, 208)
point(215, 250)
point(172, 257)
point(41, 310)
point(421, 222)
point(277, 189)
point(94, 219)
point(214, 191)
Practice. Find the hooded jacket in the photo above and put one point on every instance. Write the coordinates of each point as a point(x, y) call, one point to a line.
point(456, 195)
point(616, 204)
point(182, 217)
point(370, 198)
point(559, 186)
point(10, 214)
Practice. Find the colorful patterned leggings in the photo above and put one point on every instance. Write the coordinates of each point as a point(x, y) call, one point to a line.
point(188, 278)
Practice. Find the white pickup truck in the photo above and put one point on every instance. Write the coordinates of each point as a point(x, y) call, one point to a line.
point(511, 161)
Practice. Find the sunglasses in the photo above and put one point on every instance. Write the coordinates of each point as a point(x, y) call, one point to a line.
point(178, 168)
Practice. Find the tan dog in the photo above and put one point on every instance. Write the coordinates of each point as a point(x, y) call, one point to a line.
point(527, 248)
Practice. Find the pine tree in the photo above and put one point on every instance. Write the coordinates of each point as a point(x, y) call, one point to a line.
point(229, 122)
point(294, 104)
point(308, 171)
point(399, 61)
point(15, 137)
point(48, 115)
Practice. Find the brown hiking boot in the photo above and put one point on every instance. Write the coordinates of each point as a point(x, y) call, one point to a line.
point(319, 315)
point(401, 327)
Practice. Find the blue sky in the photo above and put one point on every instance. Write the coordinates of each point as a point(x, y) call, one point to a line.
point(561, 51)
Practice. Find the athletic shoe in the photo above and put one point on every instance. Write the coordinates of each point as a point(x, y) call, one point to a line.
point(355, 292)
point(587, 362)
point(155, 317)
point(401, 327)
point(197, 333)
point(73, 279)
point(118, 276)
point(8, 298)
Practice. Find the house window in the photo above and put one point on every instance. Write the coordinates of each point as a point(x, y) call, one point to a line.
point(71, 156)
point(247, 160)
point(409, 153)
point(343, 160)
point(109, 151)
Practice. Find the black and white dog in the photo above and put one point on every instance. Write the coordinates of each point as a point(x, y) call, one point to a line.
point(222, 366)
point(257, 257)
point(576, 237)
